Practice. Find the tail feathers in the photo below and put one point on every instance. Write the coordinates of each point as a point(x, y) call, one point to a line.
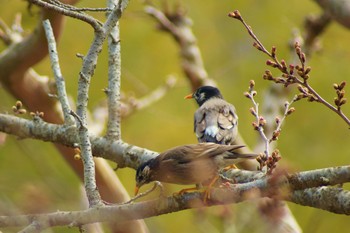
point(234, 155)
point(249, 156)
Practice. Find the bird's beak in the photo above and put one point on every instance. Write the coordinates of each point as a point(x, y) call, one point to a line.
point(136, 190)
point(190, 96)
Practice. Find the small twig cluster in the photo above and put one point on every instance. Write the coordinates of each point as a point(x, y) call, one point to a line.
point(287, 111)
point(260, 121)
point(266, 159)
point(18, 108)
point(270, 162)
point(339, 89)
point(37, 114)
point(295, 74)
point(292, 74)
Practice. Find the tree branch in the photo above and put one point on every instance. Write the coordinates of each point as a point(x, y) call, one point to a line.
point(179, 26)
point(127, 155)
point(114, 74)
point(67, 12)
point(337, 10)
point(87, 71)
point(294, 74)
point(124, 154)
point(263, 187)
point(55, 66)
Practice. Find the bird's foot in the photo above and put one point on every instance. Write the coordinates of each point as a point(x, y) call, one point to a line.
point(183, 191)
point(232, 166)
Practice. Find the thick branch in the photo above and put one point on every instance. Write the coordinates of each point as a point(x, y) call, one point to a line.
point(338, 10)
point(336, 200)
point(113, 90)
point(179, 26)
point(124, 154)
point(87, 71)
point(315, 197)
point(127, 155)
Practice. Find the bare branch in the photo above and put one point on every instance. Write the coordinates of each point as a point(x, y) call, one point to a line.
point(314, 26)
point(179, 26)
point(124, 154)
point(336, 200)
point(337, 10)
point(288, 72)
point(87, 71)
point(132, 104)
point(260, 121)
point(59, 9)
point(271, 186)
point(60, 83)
point(114, 75)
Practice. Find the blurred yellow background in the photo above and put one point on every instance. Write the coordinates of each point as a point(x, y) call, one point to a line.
point(313, 137)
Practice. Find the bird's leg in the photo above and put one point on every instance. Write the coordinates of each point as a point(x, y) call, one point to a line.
point(207, 190)
point(229, 167)
point(182, 191)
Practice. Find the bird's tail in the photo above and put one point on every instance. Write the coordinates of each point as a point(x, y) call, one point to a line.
point(233, 153)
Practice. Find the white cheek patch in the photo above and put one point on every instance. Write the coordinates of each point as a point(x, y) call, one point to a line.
point(211, 131)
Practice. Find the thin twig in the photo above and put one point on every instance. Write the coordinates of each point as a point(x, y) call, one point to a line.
point(260, 121)
point(288, 72)
point(145, 101)
point(73, 8)
point(77, 15)
point(138, 196)
point(60, 83)
point(287, 111)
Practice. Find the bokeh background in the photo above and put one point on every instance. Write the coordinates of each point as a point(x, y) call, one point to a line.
point(33, 176)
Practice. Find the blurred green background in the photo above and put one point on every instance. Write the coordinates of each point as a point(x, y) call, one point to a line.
point(34, 177)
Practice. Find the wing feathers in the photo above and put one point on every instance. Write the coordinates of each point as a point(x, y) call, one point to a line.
point(216, 121)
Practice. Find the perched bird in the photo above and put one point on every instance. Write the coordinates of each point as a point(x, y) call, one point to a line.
point(215, 120)
point(189, 164)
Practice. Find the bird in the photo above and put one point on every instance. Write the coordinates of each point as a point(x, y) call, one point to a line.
point(215, 120)
point(189, 164)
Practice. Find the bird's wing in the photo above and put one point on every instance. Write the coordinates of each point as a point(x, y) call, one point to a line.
point(187, 153)
point(187, 164)
point(180, 154)
point(227, 121)
point(200, 124)
point(207, 150)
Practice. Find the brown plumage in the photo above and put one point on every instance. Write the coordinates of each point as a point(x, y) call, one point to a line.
point(189, 164)
point(215, 120)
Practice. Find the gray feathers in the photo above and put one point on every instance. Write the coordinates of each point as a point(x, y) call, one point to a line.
point(216, 121)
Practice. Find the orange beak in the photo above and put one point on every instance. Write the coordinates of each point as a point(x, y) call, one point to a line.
point(136, 190)
point(190, 96)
